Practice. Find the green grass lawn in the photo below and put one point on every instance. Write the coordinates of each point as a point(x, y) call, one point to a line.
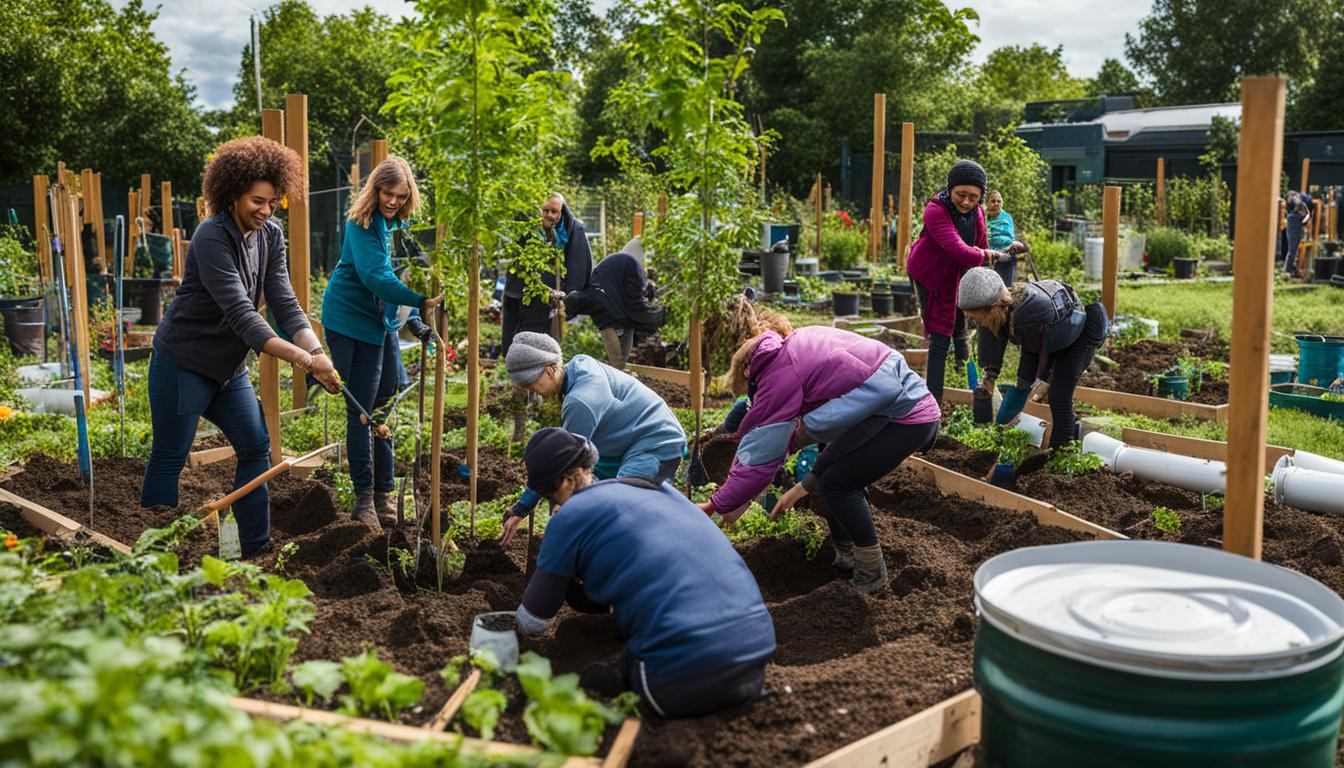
point(1311, 308)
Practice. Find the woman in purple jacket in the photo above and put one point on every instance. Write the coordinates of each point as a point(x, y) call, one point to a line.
point(954, 240)
point(854, 394)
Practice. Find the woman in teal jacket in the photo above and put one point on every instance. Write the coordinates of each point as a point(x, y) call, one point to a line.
point(359, 333)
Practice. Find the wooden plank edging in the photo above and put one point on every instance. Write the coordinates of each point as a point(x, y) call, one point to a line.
point(670, 375)
point(918, 741)
point(392, 731)
point(55, 524)
point(1199, 448)
point(1155, 407)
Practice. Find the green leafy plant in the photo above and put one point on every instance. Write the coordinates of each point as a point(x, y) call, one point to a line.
point(377, 689)
point(1212, 500)
point(755, 523)
point(1166, 520)
point(1070, 460)
point(812, 289)
point(318, 680)
point(559, 716)
point(286, 553)
point(255, 645)
point(482, 709)
point(1165, 245)
point(18, 269)
point(1333, 397)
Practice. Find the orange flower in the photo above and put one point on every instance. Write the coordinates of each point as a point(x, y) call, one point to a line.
point(5, 412)
point(11, 541)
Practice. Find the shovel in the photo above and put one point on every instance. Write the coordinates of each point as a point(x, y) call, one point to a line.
point(696, 474)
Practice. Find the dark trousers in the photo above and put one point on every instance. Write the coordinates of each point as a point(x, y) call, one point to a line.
point(1067, 367)
point(178, 398)
point(856, 462)
point(1292, 238)
point(517, 317)
point(936, 369)
point(370, 373)
point(694, 695)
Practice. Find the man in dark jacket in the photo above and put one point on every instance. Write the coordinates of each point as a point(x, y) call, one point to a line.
point(617, 299)
point(560, 228)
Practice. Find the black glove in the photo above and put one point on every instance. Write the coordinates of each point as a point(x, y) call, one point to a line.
point(421, 330)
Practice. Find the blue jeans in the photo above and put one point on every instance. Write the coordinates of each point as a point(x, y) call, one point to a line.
point(178, 398)
point(362, 366)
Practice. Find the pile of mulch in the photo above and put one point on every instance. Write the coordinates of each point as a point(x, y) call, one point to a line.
point(846, 666)
point(1142, 359)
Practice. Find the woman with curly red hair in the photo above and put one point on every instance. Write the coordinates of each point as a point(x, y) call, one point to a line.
point(199, 368)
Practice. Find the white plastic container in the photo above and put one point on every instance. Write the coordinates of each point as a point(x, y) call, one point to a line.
point(1092, 254)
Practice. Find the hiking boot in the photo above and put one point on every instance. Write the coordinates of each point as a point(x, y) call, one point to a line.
point(384, 504)
point(870, 570)
point(364, 511)
point(844, 559)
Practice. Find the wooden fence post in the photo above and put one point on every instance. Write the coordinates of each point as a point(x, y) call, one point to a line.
point(907, 193)
point(98, 220)
point(132, 231)
point(273, 128)
point(296, 138)
point(879, 173)
point(821, 212)
point(166, 203)
point(637, 224)
point(1161, 191)
point(42, 227)
point(1110, 251)
point(1306, 172)
point(1261, 157)
point(379, 150)
point(474, 373)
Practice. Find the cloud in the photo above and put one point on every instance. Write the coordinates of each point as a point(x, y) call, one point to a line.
point(1091, 31)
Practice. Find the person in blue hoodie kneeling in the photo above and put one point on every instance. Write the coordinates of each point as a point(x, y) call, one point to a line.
point(697, 633)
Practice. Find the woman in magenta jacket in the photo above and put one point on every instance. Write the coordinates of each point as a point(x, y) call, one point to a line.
point(953, 241)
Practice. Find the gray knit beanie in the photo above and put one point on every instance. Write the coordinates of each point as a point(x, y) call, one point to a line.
point(528, 356)
point(980, 287)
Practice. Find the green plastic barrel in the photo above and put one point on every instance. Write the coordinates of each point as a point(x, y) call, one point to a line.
point(1129, 653)
point(1173, 387)
point(1320, 359)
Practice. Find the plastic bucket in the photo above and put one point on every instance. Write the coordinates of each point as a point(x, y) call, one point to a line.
point(497, 632)
point(1092, 253)
point(774, 267)
point(145, 293)
point(884, 303)
point(1185, 268)
point(1325, 268)
point(1173, 387)
point(844, 304)
point(25, 328)
point(1320, 359)
point(1124, 653)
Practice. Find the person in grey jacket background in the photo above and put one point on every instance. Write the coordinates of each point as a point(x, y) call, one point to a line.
point(236, 262)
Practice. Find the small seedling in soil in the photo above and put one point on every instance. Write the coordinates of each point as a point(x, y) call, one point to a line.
point(376, 688)
point(755, 523)
point(1070, 461)
point(1166, 520)
point(1212, 500)
point(559, 715)
point(318, 680)
point(405, 561)
point(286, 554)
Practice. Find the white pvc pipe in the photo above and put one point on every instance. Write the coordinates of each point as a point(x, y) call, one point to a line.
point(1317, 462)
point(57, 400)
point(1200, 475)
point(1307, 488)
point(1034, 427)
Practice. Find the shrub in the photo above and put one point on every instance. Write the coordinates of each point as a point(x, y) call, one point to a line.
point(1165, 245)
point(1213, 248)
point(1055, 258)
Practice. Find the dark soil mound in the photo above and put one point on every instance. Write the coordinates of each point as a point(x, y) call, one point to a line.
point(1137, 361)
point(717, 455)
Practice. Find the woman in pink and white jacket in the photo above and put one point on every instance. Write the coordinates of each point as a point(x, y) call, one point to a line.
point(852, 393)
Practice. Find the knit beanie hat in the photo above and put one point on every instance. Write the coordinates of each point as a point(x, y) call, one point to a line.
point(980, 287)
point(551, 453)
point(528, 356)
point(967, 172)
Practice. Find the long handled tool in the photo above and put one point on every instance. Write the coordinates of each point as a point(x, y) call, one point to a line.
point(226, 501)
point(119, 258)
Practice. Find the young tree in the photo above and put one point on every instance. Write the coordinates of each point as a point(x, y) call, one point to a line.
point(1113, 78)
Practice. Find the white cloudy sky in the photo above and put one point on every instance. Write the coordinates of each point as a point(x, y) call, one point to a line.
point(206, 37)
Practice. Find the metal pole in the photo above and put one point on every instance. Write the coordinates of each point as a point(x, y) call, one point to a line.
point(119, 256)
point(256, 58)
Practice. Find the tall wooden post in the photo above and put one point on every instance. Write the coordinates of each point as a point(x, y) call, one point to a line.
point(1316, 210)
point(96, 191)
point(1260, 158)
point(474, 374)
point(85, 184)
point(179, 254)
point(145, 192)
point(166, 201)
point(42, 226)
point(662, 208)
point(1306, 172)
point(1162, 191)
point(379, 153)
point(1331, 217)
point(637, 224)
point(907, 192)
point(296, 138)
point(879, 174)
point(436, 425)
point(69, 222)
point(1110, 250)
point(696, 365)
point(602, 224)
point(821, 212)
point(273, 128)
point(132, 231)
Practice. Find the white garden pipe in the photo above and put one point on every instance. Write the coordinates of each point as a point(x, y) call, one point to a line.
point(1034, 427)
point(1317, 462)
point(1200, 475)
point(1308, 489)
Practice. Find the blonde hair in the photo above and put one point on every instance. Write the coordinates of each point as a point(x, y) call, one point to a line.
point(389, 173)
point(1000, 313)
point(739, 368)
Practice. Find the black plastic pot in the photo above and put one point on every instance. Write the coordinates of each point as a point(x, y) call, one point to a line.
point(790, 287)
point(1185, 268)
point(844, 303)
point(1326, 267)
point(25, 325)
point(145, 293)
point(884, 304)
point(829, 275)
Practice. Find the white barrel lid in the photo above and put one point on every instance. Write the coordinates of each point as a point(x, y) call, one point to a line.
point(1162, 609)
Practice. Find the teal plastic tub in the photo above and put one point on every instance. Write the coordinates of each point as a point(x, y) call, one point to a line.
point(1140, 653)
point(1305, 398)
point(1320, 359)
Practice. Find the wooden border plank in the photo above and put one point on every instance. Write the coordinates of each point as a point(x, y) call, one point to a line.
point(670, 375)
point(624, 745)
point(912, 324)
point(1156, 407)
point(55, 524)
point(209, 456)
point(390, 731)
point(454, 703)
point(1199, 448)
point(918, 741)
point(953, 483)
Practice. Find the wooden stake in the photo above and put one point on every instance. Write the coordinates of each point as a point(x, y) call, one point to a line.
point(454, 703)
point(474, 372)
point(1162, 191)
point(42, 227)
point(1316, 211)
point(1261, 157)
point(1110, 251)
point(85, 184)
point(379, 153)
point(179, 255)
point(77, 280)
point(436, 428)
point(879, 174)
point(95, 193)
point(296, 138)
point(602, 224)
point(1331, 218)
point(166, 201)
point(662, 207)
point(277, 468)
point(820, 220)
point(637, 225)
point(132, 232)
point(144, 197)
point(907, 192)
point(623, 746)
point(1306, 172)
point(697, 366)
point(273, 128)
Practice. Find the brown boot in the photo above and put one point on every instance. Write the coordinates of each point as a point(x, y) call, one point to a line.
point(384, 505)
point(870, 570)
point(364, 511)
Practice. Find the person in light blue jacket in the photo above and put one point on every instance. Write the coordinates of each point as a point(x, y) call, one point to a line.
point(360, 333)
point(636, 434)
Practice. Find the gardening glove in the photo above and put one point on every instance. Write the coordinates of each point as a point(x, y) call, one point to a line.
point(1001, 257)
point(1018, 247)
point(422, 331)
point(1014, 399)
point(1040, 391)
